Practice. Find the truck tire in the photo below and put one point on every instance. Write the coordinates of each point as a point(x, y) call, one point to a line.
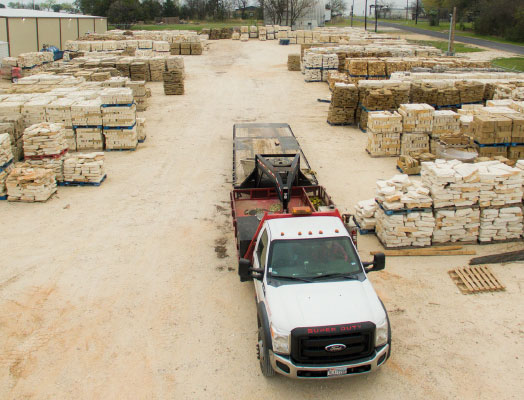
point(263, 354)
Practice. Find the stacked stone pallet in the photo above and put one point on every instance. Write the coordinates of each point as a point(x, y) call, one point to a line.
point(34, 110)
point(84, 168)
point(6, 162)
point(424, 92)
point(376, 69)
point(138, 71)
point(122, 67)
point(14, 126)
point(490, 129)
point(344, 100)
point(6, 154)
point(293, 62)
point(140, 94)
point(447, 95)
point(470, 91)
point(173, 82)
point(500, 224)
point(329, 63)
point(357, 69)
point(89, 138)
point(375, 100)
point(262, 33)
point(384, 129)
point(456, 225)
point(45, 146)
point(59, 111)
point(500, 184)
point(452, 183)
point(86, 113)
point(141, 129)
point(119, 119)
point(394, 226)
point(417, 123)
point(445, 122)
point(30, 184)
point(156, 67)
point(365, 214)
point(312, 67)
point(336, 77)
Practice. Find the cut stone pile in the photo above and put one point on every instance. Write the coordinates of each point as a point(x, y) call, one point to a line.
point(365, 214)
point(401, 230)
point(384, 130)
point(6, 154)
point(460, 225)
point(451, 183)
point(30, 184)
point(344, 100)
point(173, 82)
point(86, 167)
point(500, 184)
point(500, 224)
point(44, 139)
point(293, 62)
point(400, 193)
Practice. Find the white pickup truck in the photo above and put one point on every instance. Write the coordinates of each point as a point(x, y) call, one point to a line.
point(318, 315)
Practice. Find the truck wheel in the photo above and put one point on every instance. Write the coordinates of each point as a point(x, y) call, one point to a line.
point(263, 354)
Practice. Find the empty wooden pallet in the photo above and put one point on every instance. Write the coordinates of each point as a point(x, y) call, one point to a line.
point(475, 279)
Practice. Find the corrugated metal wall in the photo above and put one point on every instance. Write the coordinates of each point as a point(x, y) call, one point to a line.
point(85, 25)
point(3, 30)
point(22, 35)
point(30, 34)
point(48, 32)
point(69, 30)
point(101, 25)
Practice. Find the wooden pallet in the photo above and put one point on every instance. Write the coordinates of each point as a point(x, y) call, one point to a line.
point(475, 279)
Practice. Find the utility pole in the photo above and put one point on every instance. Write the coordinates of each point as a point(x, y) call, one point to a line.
point(416, 14)
point(452, 32)
point(366, 16)
point(376, 17)
point(407, 8)
point(352, 8)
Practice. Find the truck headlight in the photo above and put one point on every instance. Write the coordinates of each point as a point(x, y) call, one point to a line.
point(280, 340)
point(381, 333)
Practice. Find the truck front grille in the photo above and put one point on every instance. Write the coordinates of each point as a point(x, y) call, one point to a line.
point(308, 345)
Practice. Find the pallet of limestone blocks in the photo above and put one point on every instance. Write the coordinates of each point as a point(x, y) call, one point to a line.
point(365, 215)
point(501, 224)
point(119, 119)
point(417, 124)
point(384, 129)
point(293, 62)
point(30, 185)
point(404, 217)
point(344, 100)
point(173, 82)
point(6, 162)
point(84, 169)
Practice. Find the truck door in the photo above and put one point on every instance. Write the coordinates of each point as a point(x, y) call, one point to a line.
point(260, 262)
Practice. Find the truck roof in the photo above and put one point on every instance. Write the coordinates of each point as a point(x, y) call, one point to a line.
point(291, 227)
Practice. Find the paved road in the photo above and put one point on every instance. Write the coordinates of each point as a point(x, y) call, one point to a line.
point(464, 39)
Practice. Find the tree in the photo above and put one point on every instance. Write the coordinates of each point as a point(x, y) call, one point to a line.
point(337, 7)
point(297, 9)
point(169, 8)
point(151, 9)
point(124, 12)
point(242, 4)
point(56, 7)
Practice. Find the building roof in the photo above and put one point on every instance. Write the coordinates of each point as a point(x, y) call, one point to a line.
point(23, 13)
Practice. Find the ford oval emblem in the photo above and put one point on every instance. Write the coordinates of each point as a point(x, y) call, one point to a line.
point(335, 347)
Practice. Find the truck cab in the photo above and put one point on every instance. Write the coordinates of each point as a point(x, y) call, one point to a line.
point(318, 315)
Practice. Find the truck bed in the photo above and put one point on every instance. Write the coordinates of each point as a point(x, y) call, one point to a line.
point(257, 138)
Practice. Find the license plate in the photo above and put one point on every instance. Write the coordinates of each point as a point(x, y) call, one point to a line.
point(337, 371)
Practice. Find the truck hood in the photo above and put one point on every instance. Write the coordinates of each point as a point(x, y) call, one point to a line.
point(323, 304)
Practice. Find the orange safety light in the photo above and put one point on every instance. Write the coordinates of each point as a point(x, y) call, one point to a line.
point(301, 210)
point(320, 232)
point(310, 232)
point(336, 230)
point(281, 233)
point(299, 233)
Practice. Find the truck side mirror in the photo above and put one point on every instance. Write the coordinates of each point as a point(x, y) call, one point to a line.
point(243, 269)
point(379, 263)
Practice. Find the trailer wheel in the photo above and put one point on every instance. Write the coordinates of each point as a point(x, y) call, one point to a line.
point(263, 354)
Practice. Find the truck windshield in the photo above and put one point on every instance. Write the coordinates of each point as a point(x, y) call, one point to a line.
point(313, 258)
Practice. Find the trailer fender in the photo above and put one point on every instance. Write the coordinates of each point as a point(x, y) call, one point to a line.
point(263, 320)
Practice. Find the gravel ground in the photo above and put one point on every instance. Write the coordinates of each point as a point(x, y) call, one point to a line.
point(130, 291)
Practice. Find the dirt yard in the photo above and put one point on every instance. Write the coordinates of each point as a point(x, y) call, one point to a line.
point(130, 290)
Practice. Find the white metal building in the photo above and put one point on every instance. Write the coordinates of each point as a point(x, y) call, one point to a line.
point(29, 30)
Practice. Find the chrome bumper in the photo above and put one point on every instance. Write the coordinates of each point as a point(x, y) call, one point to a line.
point(371, 363)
